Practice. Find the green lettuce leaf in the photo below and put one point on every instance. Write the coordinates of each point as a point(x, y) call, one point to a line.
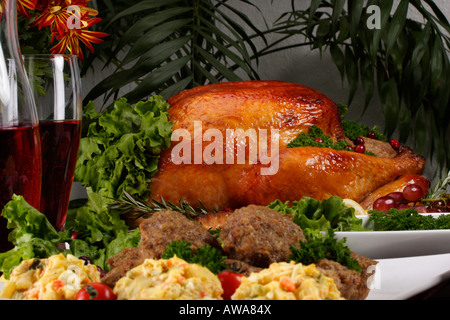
point(323, 215)
point(25, 220)
point(98, 236)
point(32, 234)
point(120, 151)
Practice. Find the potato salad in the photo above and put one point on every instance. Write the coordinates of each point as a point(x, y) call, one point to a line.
point(58, 277)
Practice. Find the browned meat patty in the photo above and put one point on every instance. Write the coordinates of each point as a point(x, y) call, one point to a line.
point(351, 284)
point(368, 271)
point(241, 267)
point(124, 261)
point(166, 226)
point(346, 280)
point(259, 236)
point(158, 231)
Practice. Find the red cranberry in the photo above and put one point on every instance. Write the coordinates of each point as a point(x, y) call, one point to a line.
point(360, 148)
point(394, 143)
point(371, 135)
point(349, 148)
point(359, 140)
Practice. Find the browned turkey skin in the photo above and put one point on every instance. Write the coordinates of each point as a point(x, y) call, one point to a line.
point(303, 171)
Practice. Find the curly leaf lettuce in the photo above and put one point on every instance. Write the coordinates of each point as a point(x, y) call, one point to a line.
point(119, 152)
point(313, 214)
point(99, 237)
point(32, 234)
point(121, 148)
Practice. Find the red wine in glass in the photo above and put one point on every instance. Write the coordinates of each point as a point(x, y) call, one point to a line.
point(60, 141)
point(20, 171)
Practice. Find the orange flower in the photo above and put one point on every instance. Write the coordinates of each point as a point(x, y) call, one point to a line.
point(83, 6)
point(53, 14)
point(24, 5)
point(70, 41)
point(68, 21)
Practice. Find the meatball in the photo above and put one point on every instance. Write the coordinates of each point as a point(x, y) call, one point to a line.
point(158, 231)
point(120, 264)
point(166, 226)
point(259, 235)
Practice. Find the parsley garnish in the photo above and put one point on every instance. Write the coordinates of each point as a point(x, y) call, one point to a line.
point(354, 130)
point(316, 138)
point(319, 246)
point(310, 140)
point(205, 256)
point(407, 219)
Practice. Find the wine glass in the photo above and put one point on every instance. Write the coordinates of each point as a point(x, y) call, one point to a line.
point(20, 153)
point(56, 83)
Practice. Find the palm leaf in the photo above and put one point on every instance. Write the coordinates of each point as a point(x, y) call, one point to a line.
point(407, 60)
point(166, 46)
point(156, 78)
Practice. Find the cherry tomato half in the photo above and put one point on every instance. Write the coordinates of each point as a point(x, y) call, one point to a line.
point(96, 291)
point(230, 282)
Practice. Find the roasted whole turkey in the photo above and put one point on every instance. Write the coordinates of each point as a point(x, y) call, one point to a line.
point(208, 168)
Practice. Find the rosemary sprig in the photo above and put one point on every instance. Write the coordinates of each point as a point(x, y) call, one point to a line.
point(137, 208)
point(439, 190)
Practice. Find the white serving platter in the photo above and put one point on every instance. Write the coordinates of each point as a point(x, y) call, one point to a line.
point(396, 244)
point(403, 278)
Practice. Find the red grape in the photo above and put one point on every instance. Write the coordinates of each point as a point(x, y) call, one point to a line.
point(437, 210)
point(397, 196)
point(438, 206)
point(402, 206)
point(413, 192)
point(421, 208)
point(384, 204)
